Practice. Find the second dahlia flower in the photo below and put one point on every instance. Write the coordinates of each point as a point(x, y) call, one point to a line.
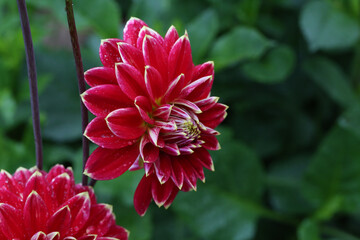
point(154, 111)
point(35, 205)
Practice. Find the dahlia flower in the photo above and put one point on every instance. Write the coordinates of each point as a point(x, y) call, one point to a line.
point(153, 111)
point(48, 206)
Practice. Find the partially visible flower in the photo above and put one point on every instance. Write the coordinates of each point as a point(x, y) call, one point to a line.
point(154, 111)
point(49, 206)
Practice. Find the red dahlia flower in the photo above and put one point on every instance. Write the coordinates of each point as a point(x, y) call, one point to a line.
point(49, 206)
point(154, 111)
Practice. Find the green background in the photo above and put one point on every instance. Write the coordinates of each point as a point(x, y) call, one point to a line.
point(289, 70)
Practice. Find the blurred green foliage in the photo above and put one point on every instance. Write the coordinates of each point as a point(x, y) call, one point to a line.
point(289, 167)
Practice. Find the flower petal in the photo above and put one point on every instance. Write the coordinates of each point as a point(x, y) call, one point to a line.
point(148, 31)
point(99, 133)
point(99, 76)
point(35, 213)
point(103, 99)
point(203, 156)
point(155, 55)
point(62, 188)
point(11, 222)
point(207, 103)
point(79, 206)
point(109, 53)
point(180, 59)
point(101, 219)
point(148, 151)
point(163, 112)
point(144, 106)
point(177, 174)
point(170, 38)
point(126, 123)
point(155, 84)
point(132, 29)
point(60, 221)
point(174, 89)
point(213, 116)
point(161, 192)
point(171, 198)
point(142, 196)
point(118, 232)
point(106, 164)
point(203, 70)
point(189, 172)
point(163, 168)
point(186, 103)
point(132, 56)
point(130, 80)
point(198, 88)
point(210, 142)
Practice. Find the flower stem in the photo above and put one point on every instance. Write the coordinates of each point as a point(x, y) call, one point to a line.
point(31, 66)
point(81, 82)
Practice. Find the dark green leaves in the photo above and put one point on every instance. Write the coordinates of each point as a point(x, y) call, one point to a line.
point(327, 27)
point(242, 43)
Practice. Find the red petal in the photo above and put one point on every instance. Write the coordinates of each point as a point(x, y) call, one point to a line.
point(132, 29)
point(39, 236)
point(142, 196)
point(211, 142)
point(109, 53)
point(161, 192)
point(172, 149)
point(171, 198)
point(155, 56)
point(203, 70)
point(154, 135)
point(126, 123)
point(132, 56)
point(11, 222)
point(99, 133)
point(163, 168)
point(10, 198)
point(198, 168)
point(213, 116)
point(106, 164)
point(203, 156)
point(188, 104)
point(60, 221)
point(7, 182)
point(79, 206)
point(21, 176)
point(62, 188)
point(130, 80)
point(163, 112)
point(180, 59)
point(37, 183)
point(154, 83)
point(58, 170)
point(103, 99)
point(174, 89)
point(177, 174)
point(144, 106)
point(148, 151)
point(170, 38)
point(207, 103)
point(150, 32)
point(35, 213)
point(190, 173)
point(99, 76)
point(101, 219)
point(118, 232)
point(198, 88)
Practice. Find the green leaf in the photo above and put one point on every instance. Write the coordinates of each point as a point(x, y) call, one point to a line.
point(350, 120)
point(212, 214)
point(103, 15)
point(329, 77)
point(202, 31)
point(275, 67)
point(326, 27)
point(285, 185)
point(334, 173)
point(308, 230)
point(242, 43)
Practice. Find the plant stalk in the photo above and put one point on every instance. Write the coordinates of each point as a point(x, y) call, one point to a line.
point(31, 68)
point(81, 82)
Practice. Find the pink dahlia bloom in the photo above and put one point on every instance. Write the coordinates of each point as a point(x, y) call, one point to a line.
point(37, 205)
point(154, 111)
